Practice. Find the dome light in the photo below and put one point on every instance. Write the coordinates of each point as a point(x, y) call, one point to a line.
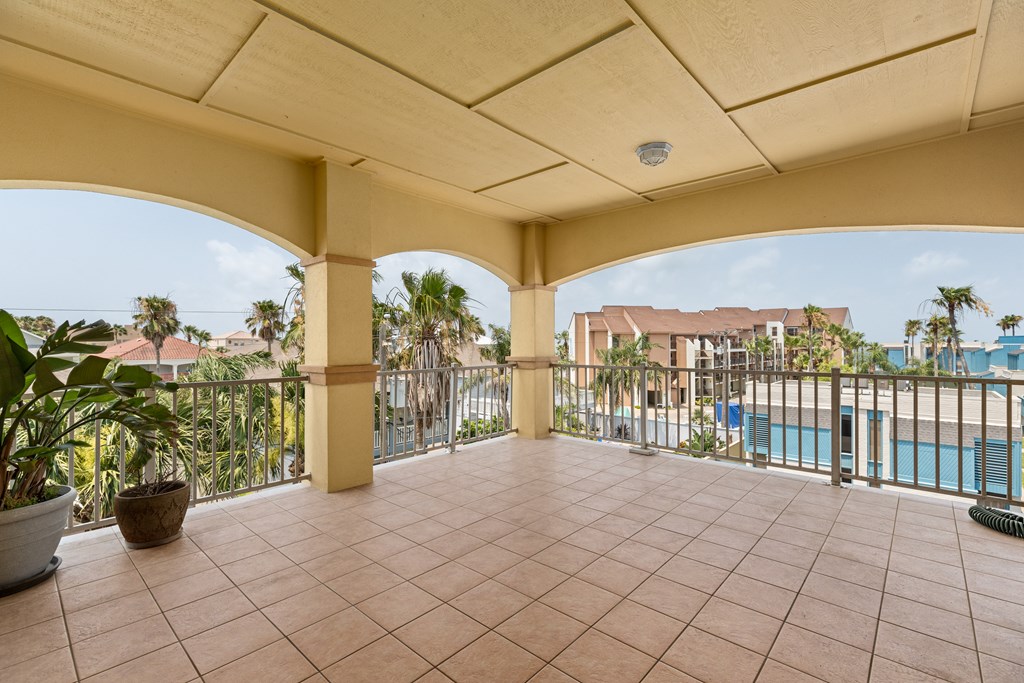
point(653, 153)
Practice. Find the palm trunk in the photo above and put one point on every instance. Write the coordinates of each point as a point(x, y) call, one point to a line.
point(935, 357)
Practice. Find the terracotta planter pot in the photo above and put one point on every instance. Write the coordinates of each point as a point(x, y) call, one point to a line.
point(28, 538)
point(147, 521)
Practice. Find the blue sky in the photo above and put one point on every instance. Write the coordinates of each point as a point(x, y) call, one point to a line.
point(78, 250)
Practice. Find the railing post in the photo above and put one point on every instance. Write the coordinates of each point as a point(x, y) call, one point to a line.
point(382, 417)
point(837, 431)
point(452, 408)
point(643, 449)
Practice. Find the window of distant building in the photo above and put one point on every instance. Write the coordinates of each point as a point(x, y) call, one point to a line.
point(792, 331)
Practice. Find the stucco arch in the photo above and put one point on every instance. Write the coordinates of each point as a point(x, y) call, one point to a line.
point(971, 182)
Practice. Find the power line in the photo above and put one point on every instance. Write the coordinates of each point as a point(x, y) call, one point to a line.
point(102, 310)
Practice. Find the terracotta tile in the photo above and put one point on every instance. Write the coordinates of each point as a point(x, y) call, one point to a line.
point(287, 535)
point(932, 621)
point(218, 646)
point(1000, 671)
point(490, 529)
point(713, 554)
point(311, 548)
point(449, 580)
point(280, 662)
point(850, 571)
point(458, 518)
point(739, 625)
point(663, 539)
point(618, 526)
point(413, 562)
point(238, 550)
point(711, 659)
point(490, 560)
point(301, 610)
point(525, 542)
point(440, 633)
point(118, 646)
point(613, 576)
point(820, 656)
point(29, 607)
point(996, 611)
point(927, 569)
point(424, 531)
point(668, 597)
point(685, 526)
point(55, 665)
point(385, 545)
point(69, 577)
point(770, 571)
point(554, 527)
point(999, 642)
point(565, 558)
point(386, 659)
point(454, 544)
point(225, 534)
point(120, 612)
point(550, 674)
point(490, 603)
point(354, 532)
point(922, 652)
point(832, 621)
point(336, 637)
point(277, 586)
point(785, 552)
point(774, 672)
point(641, 627)
point(102, 590)
point(167, 665)
point(399, 605)
point(698, 575)
point(579, 514)
point(884, 671)
point(596, 658)
point(492, 658)
point(638, 555)
point(855, 598)
point(189, 588)
point(581, 601)
point(257, 566)
point(531, 578)
point(364, 583)
point(541, 630)
point(333, 565)
point(594, 540)
point(663, 673)
point(208, 612)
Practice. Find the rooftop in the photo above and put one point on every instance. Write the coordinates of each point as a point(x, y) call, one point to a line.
point(142, 349)
point(580, 561)
point(622, 319)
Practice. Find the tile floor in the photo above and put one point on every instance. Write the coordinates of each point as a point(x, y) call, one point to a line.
point(545, 561)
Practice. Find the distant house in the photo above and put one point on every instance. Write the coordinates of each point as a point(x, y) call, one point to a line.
point(176, 357)
point(239, 339)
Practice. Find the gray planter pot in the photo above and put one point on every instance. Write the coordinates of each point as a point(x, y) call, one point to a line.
point(28, 538)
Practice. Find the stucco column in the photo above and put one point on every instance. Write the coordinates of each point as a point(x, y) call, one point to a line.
point(339, 350)
point(533, 351)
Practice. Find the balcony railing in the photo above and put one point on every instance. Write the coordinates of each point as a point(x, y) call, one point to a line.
point(235, 437)
point(426, 410)
point(957, 436)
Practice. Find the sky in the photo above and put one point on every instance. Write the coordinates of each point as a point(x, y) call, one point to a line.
point(70, 250)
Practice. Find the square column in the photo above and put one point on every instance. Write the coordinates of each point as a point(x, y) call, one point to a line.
point(533, 352)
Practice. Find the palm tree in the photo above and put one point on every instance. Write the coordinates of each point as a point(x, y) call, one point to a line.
point(562, 345)
point(498, 352)
point(202, 337)
point(119, 331)
point(620, 376)
point(266, 320)
point(911, 329)
point(1009, 322)
point(190, 332)
point(156, 317)
point(955, 302)
point(936, 329)
point(434, 320)
point(295, 299)
point(816, 319)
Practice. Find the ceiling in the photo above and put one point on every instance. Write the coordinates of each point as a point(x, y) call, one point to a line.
point(530, 109)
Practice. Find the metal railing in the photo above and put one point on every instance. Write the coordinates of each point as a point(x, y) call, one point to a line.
point(957, 436)
point(424, 410)
point(234, 437)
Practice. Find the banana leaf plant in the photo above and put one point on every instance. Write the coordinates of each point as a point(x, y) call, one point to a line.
point(39, 413)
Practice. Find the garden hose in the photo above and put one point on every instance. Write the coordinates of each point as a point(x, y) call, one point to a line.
point(1000, 520)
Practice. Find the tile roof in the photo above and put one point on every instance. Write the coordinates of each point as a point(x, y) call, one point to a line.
point(142, 349)
point(621, 319)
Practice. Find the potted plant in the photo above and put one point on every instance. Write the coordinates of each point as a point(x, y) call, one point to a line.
point(39, 415)
point(150, 513)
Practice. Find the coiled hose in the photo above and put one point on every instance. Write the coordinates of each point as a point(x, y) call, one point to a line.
point(1000, 520)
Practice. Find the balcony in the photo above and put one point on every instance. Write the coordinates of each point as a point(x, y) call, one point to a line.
point(551, 560)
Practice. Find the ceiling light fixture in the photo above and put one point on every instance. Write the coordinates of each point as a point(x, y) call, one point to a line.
point(653, 153)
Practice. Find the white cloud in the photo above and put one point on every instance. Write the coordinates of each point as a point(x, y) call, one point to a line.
point(933, 262)
point(756, 272)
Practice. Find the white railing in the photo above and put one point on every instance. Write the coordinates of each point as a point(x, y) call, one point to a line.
point(425, 410)
point(956, 436)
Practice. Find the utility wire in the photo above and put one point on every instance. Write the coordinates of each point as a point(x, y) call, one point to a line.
point(102, 310)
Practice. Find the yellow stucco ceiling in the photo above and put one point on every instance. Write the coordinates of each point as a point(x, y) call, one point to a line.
point(531, 109)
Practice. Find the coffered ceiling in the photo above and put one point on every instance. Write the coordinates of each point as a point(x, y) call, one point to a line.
point(531, 109)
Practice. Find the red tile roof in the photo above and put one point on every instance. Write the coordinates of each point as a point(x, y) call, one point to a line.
point(141, 349)
point(671, 321)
